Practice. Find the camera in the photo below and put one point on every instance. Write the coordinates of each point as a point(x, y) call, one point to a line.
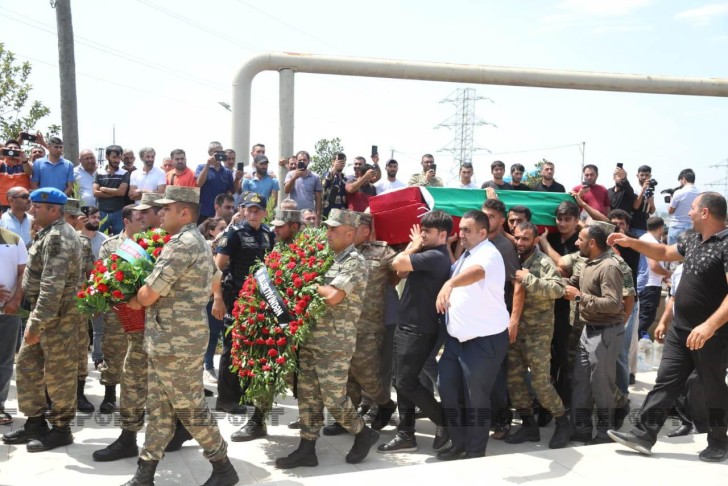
point(650, 191)
point(220, 156)
point(28, 137)
point(668, 193)
point(10, 153)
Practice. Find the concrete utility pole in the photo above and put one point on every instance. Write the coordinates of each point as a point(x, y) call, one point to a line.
point(67, 72)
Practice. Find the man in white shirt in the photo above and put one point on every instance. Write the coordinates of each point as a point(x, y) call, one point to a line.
point(16, 218)
point(391, 182)
point(649, 296)
point(466, 177)
point(149, 179)
point(84, 174)
point(680, 204)
point(13, 257)
point(477, 341)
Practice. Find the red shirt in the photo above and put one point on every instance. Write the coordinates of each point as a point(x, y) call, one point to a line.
point(185, 179)
point(597, 197)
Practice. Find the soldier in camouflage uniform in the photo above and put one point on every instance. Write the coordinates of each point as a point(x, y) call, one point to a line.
point(71, 211)
point(114, 342)
point(52, 278)
point(325, 357)
point(532, 345)
point(176, 333)
point(365, 363)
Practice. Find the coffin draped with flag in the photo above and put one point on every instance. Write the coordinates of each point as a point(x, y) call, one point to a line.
point(395, 212)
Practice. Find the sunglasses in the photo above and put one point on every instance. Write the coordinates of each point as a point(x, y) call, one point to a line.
point(24, 196)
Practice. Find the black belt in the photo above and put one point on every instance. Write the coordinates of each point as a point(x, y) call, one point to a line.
point(596, 327)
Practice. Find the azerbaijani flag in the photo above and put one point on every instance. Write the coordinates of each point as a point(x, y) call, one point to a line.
point(456, 202)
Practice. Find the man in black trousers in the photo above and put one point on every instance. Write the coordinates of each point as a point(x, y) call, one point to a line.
point(698, 337)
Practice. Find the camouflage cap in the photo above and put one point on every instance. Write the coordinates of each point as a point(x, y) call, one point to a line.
point(607, 227)
point(284, 216)
point(338, 217)
point(173, 194)
point(148, 200)
point(72, 207)
point(365, 218)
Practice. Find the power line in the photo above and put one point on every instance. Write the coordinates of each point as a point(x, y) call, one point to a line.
point(115, 52)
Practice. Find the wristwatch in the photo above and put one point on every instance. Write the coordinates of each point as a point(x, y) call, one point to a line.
point(577, 299)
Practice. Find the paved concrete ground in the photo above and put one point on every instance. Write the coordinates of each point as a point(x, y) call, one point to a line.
point(674, 462)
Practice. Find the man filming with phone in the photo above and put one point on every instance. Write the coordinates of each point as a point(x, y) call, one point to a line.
point(428, 175)
point(14, 170)
point(360, 187)
point(213, 178)
point(304, 187)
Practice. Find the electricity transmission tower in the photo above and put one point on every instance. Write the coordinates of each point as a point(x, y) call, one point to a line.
point(723, 182)
point(463, 124)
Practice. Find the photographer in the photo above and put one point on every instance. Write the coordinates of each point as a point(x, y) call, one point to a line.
point(621, 195)
point(15, 171)
point(213, 178)
point(335, 185)
point(644, 204)
point(682, 199)
point(360, 187)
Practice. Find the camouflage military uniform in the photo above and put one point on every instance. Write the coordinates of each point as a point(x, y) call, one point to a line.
point(175, 340)
point(532, 348)
point(52, 277)
point(365, 363)
point(324, 359)
point(113, 342)
point(87, 258)
point(420, 179)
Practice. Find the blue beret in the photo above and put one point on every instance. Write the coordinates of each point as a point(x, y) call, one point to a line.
point(48, 195)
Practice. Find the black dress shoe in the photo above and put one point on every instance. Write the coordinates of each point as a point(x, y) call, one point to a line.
point(452, 453)
point(34, 428)
point(250, 431)
point(684, 429)
point(712, 454)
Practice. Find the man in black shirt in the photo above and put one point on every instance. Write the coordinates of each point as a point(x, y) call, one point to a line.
point(698, 337)
point(497, 169)
point(517, 171)
point(237, 251)
point(547, 182)
point(426, 265)
point(110, 189)
point(621, 195)
point(644, 203)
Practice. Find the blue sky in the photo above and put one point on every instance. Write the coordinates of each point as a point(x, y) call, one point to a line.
point(156, 69)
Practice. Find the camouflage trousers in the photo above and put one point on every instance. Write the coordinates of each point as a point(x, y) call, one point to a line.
point(82, 342)
point(113, 347)
point(49, 365)
point(532, 350)
point(175, 387)
point(322, 379)
point(134, 383)
point(364, 371)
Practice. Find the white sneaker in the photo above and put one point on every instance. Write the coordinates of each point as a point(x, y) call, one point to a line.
point(210, 376)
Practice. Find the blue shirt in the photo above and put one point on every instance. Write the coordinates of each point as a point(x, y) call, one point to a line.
point(218, 181)
point(22, 229)
point(305, 189)
point(264, 186)
point(58, 175)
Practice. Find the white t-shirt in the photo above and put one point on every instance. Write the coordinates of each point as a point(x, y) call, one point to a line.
point(460, 185)
point(653, 279)
point(479, 309)
point(681, 202)
point(12, 254)
point(148, 181)
point(385, 185)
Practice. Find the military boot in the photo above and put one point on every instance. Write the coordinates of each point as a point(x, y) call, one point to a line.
point(223, 473)
point(144, 475)
point(560, 439)
point(305, 455)
point(528, 431)
point(34, 428)
point(181, 435)
point(83, 404)
point(363, 442)
point(57, 437)
point(108, 404)
point(124, 446)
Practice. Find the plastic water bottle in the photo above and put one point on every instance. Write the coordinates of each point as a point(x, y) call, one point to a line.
point(656, 354)
point(644, 353)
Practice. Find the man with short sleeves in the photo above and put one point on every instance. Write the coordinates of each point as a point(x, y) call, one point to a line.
point(477, 342)
point(594, 197)
point(85, 175)
point(698, 336)
point(680, 205)
point(213, 178)
point(547, 182)
point(53, 170)
point(149, 179)
point(110, 190)
point(261, 182)
point(304, 187)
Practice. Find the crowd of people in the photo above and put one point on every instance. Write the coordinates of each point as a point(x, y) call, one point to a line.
point(498, 318)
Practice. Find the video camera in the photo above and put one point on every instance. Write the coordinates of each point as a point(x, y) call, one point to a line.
point(668, 193)
point(650, 191)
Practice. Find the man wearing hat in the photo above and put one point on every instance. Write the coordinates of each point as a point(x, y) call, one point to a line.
point(71, 211)
point(324, 359)
point(53, 170)
point(175, 295)
point(261, 182)
point(237, 251)
point(148, 210)
point(286, 225)
point(597, 290)
point(364, 373)
point(52, 277)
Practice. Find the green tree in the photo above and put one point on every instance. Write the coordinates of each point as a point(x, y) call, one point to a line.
point(17, 112)
point(325, 149)
point(531, 178)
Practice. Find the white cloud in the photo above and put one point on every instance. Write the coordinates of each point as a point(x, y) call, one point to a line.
point(703, 15)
